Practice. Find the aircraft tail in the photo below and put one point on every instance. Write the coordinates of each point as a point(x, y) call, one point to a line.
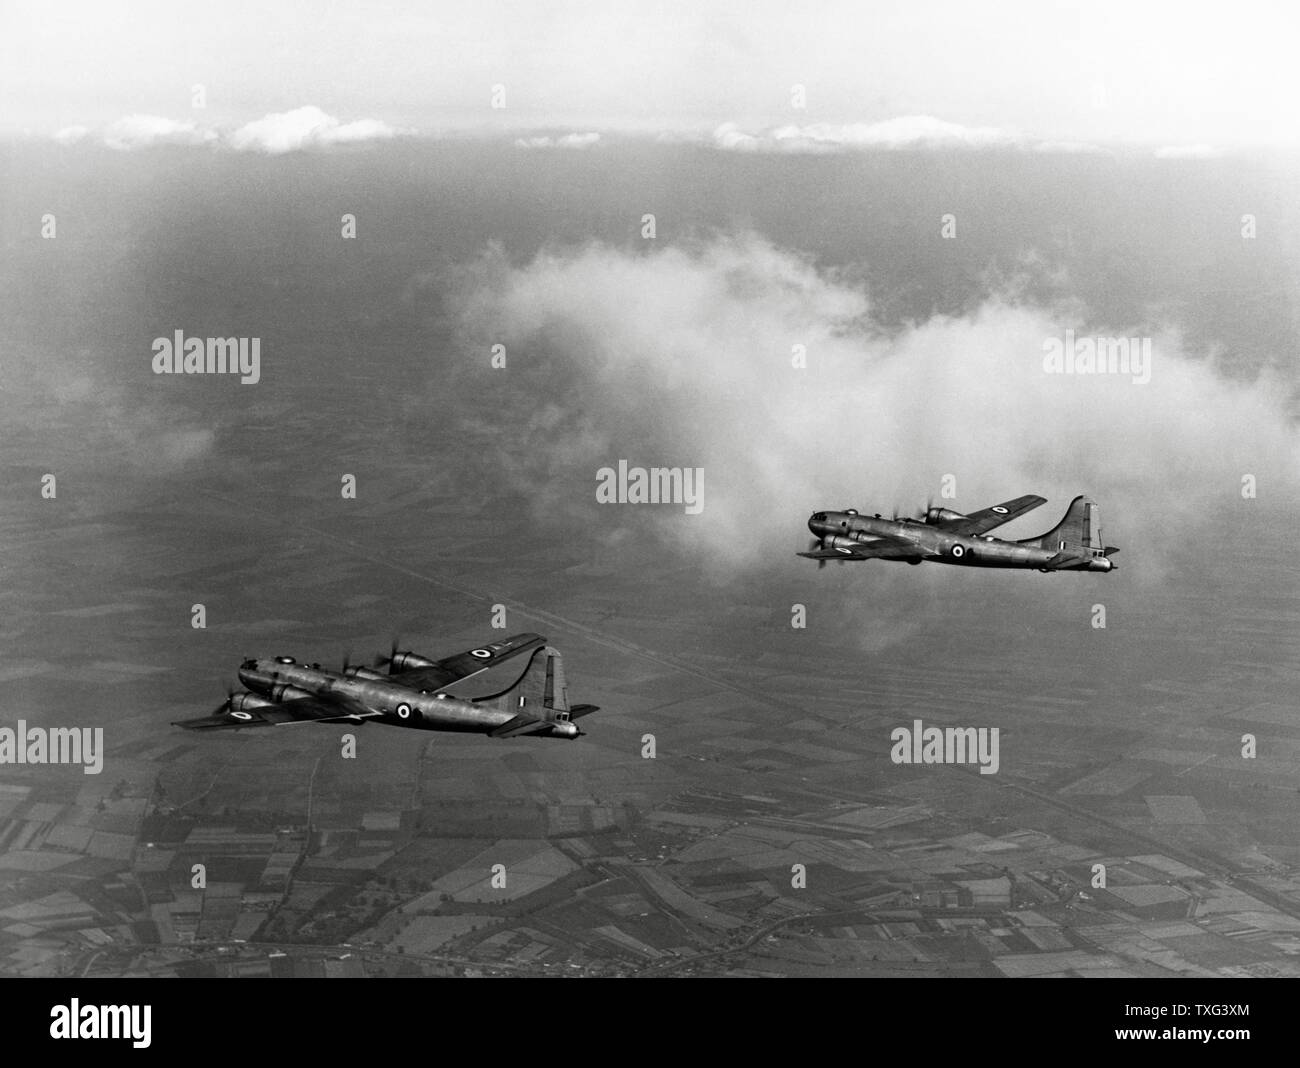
point(540, 686)
point(540, 694)
point(1076, 539)
point(1078, 531)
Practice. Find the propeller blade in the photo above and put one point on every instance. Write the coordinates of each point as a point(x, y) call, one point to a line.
point(815, 545)
point(382, 660)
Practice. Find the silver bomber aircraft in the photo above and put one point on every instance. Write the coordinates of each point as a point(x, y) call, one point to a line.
point(412, 694)
point(948, 537)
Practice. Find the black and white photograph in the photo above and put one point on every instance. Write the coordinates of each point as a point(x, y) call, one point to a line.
point(650, 490)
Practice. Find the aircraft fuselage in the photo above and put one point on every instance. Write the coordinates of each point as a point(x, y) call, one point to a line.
point(397, 705)
point(841, 530)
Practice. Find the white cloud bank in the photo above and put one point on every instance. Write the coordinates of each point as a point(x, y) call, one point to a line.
point(71, 135)
point(683, 357)
point(145, 131)
point(310, 127)
point(288, 131)
point(306, 127)
point(904, 132)
point(572, 140)
point(1187, 152)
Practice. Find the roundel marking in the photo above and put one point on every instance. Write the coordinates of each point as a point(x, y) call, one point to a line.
point(403, 711)
point(482, 654)
point(959, 551)
point(242, 715)
point(999, 509)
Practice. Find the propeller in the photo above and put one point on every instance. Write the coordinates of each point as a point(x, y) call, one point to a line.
point(814, 546)
point(818, 543)
point(920, 515)
point(225, 705)
point(382, 660)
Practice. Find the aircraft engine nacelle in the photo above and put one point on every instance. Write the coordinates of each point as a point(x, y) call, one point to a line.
point(404, 661)
point(838, 541)
point(282, 691)
point(244, 702)
point(364, 673)
point(935, 516)
point(565, 730)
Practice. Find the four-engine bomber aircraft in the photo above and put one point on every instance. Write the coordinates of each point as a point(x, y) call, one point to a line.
point(411, 694)
point(948, 537)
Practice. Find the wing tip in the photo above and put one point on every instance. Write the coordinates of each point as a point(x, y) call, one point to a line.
point(200, 724)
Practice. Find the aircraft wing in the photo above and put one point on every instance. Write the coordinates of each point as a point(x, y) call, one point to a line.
point(463, 665)
point(986, 519)
point(879, 547)
point(319, 709)
point(521, 724)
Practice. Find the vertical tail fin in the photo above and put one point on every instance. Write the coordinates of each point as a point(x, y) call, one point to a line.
point(540, 691)
point(538, 703)
point(1078, 531)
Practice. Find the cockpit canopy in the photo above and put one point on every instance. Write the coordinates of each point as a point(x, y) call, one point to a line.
point(284, 660)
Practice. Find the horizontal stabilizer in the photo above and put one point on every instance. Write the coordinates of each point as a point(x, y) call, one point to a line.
point(521, 724)
point(1064, 561)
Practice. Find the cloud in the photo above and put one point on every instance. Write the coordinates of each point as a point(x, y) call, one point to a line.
point(909, 131)
point(573, 140)
point(288, 131)
point(306, 127)
point(71, 135)
point(683, 357)
point(89, 419)
point(1074, 148)
point(145, 131)
point(1187, 152)
point(904, 132)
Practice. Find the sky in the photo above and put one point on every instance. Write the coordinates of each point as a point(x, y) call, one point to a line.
point(1181, 77)
point(925, 354)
